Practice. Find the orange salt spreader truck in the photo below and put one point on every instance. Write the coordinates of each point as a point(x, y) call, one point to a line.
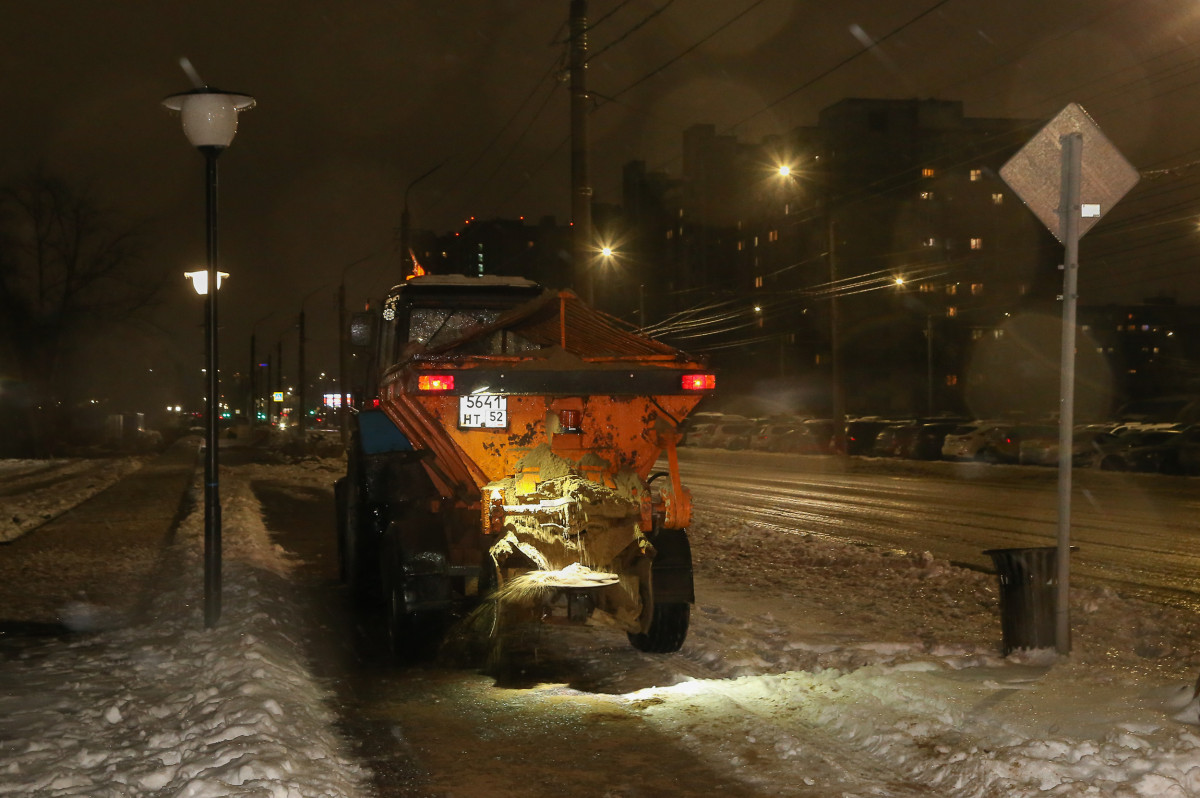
point(515, 435)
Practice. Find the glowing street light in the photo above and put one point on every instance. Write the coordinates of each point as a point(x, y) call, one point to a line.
point(210, 119)
point(200, 280)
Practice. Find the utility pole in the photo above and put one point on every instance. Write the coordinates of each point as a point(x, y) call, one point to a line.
point(279, 374)
point(581, 189)
point(300, 390)
point(836, 389)
point(252, 409)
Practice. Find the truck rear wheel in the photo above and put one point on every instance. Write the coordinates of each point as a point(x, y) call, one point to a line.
point(411, 634)
point(351, 536)
point(667, 631)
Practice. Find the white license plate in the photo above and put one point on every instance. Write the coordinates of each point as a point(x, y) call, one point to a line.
point(483, 410)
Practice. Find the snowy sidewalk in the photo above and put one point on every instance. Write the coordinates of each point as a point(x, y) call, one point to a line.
point(104, 553)
point(154, 704)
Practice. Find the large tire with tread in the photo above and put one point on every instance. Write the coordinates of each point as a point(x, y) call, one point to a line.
point(352, 523)
point(667, 631)
point(412, 634)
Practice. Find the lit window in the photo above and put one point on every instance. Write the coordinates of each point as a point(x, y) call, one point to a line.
point(951, 289)
point(741, 245)
point(997, 199)
point(787, 208)
point(773, 235)
point(928, 172)
point(929, 242)
point(1145, 328)
point(926, 288)
point(997, 334)
point(1156, 350)
point(1085, 327)
point(951, 312)
point(952, 380)
point(1023, 289)
point(926, 195)
point(681, 213)
point(756, 241)
point(976, 334)
point(976, 288)
point(758, 282)
point(670, 234)
point(976, 243)
point(976, 175)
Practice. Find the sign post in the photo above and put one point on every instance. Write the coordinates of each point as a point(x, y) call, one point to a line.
point(1090, 181)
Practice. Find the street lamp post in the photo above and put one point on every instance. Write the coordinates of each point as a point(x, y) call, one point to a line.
point(210, 122)
point(343, 343)
point(406, 263)
point(303, 370)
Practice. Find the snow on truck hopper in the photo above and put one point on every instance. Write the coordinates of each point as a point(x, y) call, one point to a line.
point(515, 437)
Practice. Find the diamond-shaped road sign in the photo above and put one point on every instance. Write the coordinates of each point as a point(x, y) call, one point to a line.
point(1035, 172)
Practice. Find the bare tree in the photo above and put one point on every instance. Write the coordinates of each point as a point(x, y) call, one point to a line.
point(69, 270)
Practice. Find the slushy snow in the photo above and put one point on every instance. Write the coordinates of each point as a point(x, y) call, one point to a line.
point(879, 662)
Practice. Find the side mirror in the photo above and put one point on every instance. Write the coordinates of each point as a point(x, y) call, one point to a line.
point(362, 328)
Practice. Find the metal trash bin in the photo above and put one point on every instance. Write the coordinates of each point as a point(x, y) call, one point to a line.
point(1028, 596)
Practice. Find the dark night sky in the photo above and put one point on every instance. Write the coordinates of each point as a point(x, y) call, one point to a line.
point(358, 98)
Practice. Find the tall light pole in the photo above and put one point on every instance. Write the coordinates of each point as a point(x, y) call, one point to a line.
point(406, 264)
point(252, 413)
point(210, 122)
point(303, 422)
point(582, 249)
point(344, 340)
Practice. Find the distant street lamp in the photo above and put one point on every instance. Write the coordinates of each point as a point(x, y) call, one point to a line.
point(210, 121)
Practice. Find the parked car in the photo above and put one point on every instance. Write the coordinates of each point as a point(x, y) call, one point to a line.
point(1005, 447)
point(1189, 450)
point(732, 435)
point(1151, 452)
point(966, 441)
point(1042, 449)
point(769, 437)
point(861, 434)
point(813, 436)
point(697, 434)
point(927, 441)
point(894, 439)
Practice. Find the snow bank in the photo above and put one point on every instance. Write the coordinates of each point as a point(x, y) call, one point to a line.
point(167, 707)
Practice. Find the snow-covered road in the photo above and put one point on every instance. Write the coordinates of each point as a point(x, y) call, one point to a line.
point(814, 668)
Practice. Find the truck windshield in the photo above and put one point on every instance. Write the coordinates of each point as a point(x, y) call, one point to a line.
point(436, 326)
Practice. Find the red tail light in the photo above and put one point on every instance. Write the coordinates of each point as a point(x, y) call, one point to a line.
point(435, 382)
point(699, 382)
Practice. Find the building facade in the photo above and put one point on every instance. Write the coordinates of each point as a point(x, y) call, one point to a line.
point(884, 231)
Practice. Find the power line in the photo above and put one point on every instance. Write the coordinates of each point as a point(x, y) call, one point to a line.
point(630, 31)
point(693, 47)
point(841, 63)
